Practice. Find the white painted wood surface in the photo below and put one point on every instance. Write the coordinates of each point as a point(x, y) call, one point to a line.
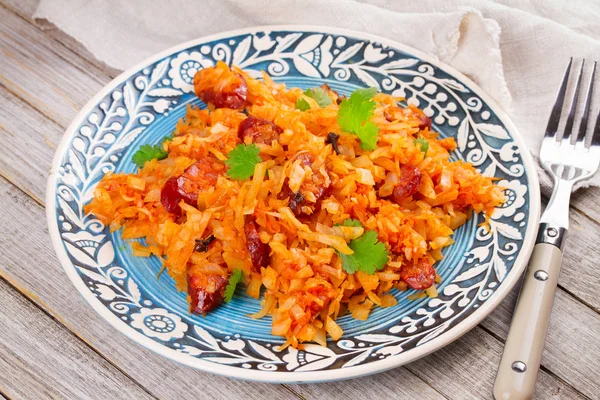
point(45, 78)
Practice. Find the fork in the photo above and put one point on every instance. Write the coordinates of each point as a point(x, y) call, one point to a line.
point(570, 159)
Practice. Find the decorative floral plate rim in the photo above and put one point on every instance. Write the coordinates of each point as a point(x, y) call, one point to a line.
point(264, 371)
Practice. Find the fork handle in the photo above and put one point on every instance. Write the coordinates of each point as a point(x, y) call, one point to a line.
point(524, 346)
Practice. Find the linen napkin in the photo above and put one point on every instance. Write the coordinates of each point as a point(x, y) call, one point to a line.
point(516, 51)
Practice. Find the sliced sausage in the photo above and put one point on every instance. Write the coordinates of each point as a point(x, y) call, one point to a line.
point(259, 251)
point(394, 113)
point(200, 176)
point(418, 276)
point(317, 184)
point(221, 87)
point(410, 180)
point(206, 291)
point(258, 130)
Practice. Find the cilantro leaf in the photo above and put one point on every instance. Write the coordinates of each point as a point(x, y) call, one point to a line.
point(147, 152)
point(168, 138)
point(242, 160)
point(369, 255)
point(352, 222)
point(234, 279)
point(302, 104)
point(354, 115)
point(423, 144)
point(349, 263)
point(320, 96)
point(367, 134)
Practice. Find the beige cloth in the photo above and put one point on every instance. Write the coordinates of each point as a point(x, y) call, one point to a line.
point(515, 50)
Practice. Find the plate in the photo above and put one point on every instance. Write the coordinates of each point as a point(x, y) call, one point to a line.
point(143, 104)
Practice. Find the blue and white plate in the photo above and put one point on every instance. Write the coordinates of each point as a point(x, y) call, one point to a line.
point(143, 104)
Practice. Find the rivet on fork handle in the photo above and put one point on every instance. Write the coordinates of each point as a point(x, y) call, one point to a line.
point(554, 235)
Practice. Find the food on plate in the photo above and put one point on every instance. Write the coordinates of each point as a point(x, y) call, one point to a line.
point(322, 203)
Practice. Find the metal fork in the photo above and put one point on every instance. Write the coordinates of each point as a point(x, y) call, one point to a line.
point(570, 159)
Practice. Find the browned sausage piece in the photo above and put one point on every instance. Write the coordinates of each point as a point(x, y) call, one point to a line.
point(259, 251)
point(221, 87)
point(258, 130)
point(206, 291)
point(394, 113)
point(418, 276)
point(410, 180)
point(316, 184)
point(201, 175)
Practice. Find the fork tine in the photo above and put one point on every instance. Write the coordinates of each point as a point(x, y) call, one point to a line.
point(596, 137)
point(586, 110)
point(571, 118)
point(558, 104)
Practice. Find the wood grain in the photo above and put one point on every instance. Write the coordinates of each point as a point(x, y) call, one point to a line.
point(50, 288)
point(41, 359)
point(463, 370)
point(26, 8)
point(572, 348)
point(41, 76)
point(468, 371)
point(35, 111)
point(24, 170)
point(582, 200)
point(18, 159)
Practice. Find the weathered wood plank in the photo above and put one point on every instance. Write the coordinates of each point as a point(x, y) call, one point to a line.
point(398, 383)
point(41, 77)
point(32, 139)
point(580, 262)
point(466, 369)
point(463, 370)
point(577, 229)
point(586, 201)
point(572, 348)
point(42, 136)
point(41, 359)
point(50, 287)
point(583, 200)
point(29, 263)
point(26, 8)
point(580, 276)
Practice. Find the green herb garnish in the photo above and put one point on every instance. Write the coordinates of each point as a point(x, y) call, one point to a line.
point(148, 152)
point(354, 115)
point(423, 144)
point(370, 255)
point(234, 279)
point(242, 160)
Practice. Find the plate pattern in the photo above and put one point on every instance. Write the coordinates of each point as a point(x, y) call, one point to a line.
point(107, 132)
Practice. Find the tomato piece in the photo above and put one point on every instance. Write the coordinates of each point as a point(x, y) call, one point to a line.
point(410, 180)
point(258, 130)
point(418, 276)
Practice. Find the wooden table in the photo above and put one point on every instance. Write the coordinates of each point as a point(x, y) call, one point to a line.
point(53, 345)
